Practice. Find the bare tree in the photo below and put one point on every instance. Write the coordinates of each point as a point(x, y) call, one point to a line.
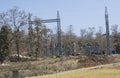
point(83, 33)
point(114, 29)
point(17, 19)
point(100, 39)
point(115, 38)
point(69, 40)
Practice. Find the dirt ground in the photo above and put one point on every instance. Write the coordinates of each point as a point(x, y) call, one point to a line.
point(94, 60)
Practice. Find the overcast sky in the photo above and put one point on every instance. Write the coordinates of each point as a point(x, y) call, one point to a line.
point(79, 13)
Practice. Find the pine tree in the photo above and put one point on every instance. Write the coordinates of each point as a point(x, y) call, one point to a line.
point(4, 43)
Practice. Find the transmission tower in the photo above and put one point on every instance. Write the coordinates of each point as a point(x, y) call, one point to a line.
point(59, 34)
point(59, 46)
point(107, 32)
point(30, 35)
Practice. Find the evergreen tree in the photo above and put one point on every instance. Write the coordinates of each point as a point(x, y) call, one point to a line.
point(4, 43)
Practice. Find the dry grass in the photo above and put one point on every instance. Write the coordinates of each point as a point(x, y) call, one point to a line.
point(48, 65)
point(42, 66)
point(96, 73)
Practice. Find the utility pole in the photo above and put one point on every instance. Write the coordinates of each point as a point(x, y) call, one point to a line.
point(107, 32)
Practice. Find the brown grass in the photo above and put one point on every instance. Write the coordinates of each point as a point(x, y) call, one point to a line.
point(48, 65)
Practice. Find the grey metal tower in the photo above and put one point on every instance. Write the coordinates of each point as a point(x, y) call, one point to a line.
point(59, 34)
point(59, 45)
point(107, 31)
point(30, 36)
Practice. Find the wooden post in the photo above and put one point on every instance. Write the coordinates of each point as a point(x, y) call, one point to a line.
point(15, 74)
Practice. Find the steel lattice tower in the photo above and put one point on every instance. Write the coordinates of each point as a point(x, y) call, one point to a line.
point(59, 45)
point(30, 36)
point(107, 31)
point(59, 33)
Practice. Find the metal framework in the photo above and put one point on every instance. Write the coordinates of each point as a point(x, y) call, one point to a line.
point(107, 31)
point(30, 36)
point(59, 46)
